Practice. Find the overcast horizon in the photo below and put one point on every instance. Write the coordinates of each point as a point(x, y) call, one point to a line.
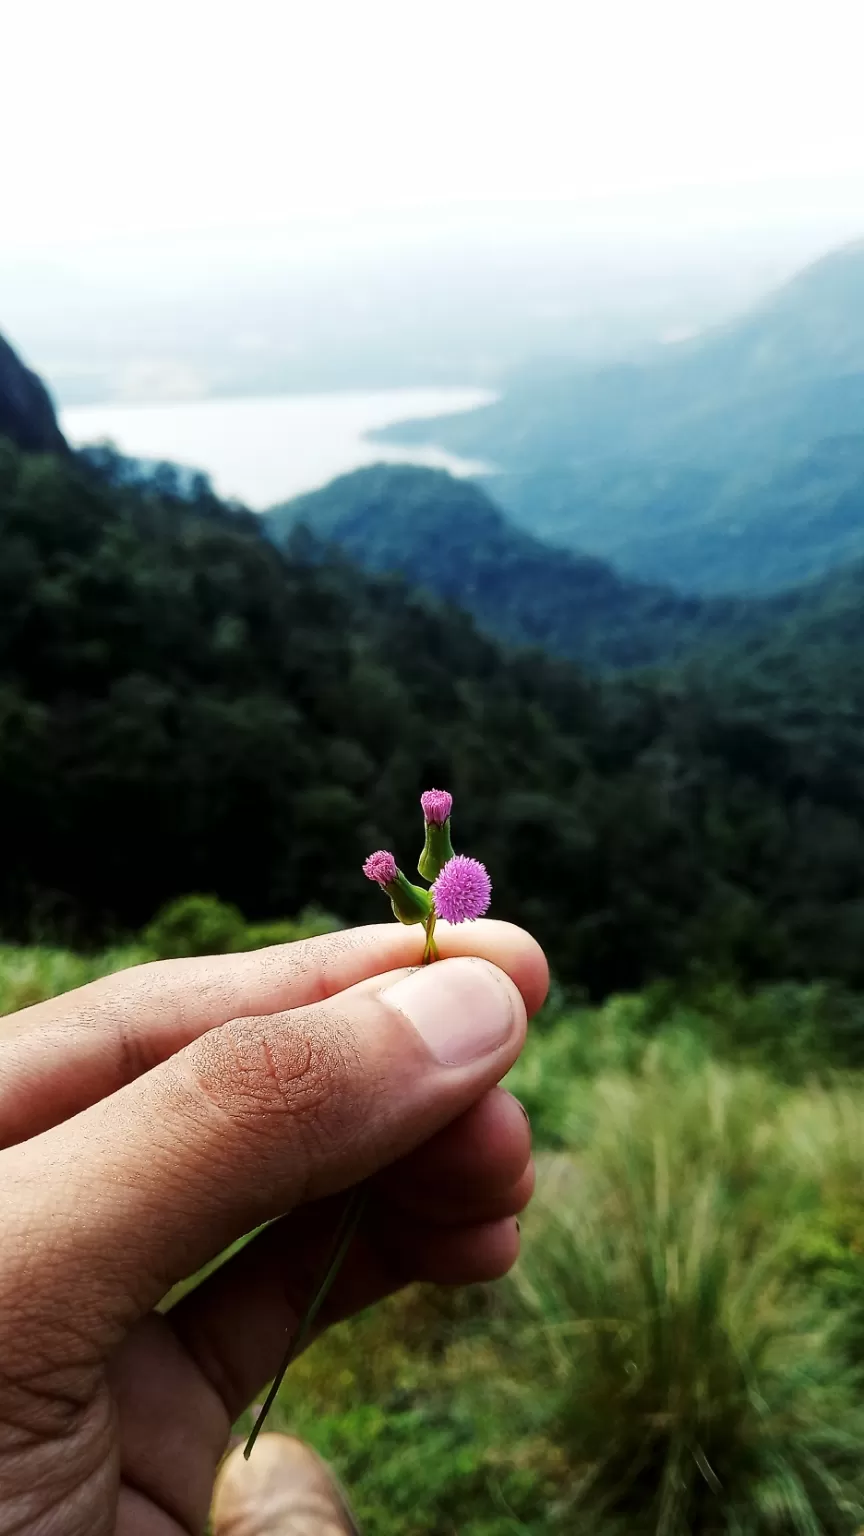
point(347, 197)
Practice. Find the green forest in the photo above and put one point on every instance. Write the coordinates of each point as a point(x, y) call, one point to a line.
point(186, 708)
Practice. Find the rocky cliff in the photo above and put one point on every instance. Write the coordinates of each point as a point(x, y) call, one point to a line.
point(26, 413)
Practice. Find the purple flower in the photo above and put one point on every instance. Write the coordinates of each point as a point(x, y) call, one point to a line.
point(437, 805)
point(381, 866)
point(462, 891)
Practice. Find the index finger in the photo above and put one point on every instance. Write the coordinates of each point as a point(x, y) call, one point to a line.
point(61, 1056)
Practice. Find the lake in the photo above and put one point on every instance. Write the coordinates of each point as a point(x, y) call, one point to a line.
point(263, 449)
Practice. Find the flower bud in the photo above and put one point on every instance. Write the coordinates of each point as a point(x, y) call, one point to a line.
point(437, 805)
point(437, 849)
point(410, 903)
point(381, 866)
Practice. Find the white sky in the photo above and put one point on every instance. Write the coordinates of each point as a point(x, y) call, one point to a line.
point(126, 117)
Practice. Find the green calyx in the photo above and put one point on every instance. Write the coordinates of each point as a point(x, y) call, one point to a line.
point(410, 903)
point(437, 850)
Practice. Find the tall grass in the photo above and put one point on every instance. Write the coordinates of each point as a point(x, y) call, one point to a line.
point(192, 925)
point(30, 975)
point(679, 1350)
point(694, 1381)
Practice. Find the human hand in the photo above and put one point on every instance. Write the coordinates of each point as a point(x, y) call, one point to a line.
point(150, 1119)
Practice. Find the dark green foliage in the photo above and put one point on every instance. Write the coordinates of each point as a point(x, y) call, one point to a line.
point(195, 925)
point(423, 1467)
point(183, 707)
point(309, 924)
point(733, 462)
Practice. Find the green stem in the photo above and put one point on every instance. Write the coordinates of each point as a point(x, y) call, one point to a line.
point(430, 952)
point(343, 1238)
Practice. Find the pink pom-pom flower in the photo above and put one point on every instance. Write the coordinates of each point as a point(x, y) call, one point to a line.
point(437, 805)
point(462, 891)
point(381, 866)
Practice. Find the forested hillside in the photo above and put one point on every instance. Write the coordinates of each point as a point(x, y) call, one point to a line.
point(447, 536)
point(733, 462)
point(184, 707)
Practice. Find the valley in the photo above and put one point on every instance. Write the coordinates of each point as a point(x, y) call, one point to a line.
point(732, 463)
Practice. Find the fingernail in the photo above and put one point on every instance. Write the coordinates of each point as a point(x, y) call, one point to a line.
point(461, 1009)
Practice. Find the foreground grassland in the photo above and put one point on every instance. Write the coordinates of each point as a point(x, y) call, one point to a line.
point(680, 1349)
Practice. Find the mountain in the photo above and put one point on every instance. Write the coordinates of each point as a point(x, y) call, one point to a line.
point(26, 413)
point(733, 462)
point(447, 535)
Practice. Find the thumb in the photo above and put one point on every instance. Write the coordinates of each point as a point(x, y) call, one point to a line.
point(254, 1118)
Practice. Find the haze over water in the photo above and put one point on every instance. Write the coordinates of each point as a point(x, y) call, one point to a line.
point(265, 449)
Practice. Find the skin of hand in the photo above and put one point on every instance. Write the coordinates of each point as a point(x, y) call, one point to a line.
point(151, 1118)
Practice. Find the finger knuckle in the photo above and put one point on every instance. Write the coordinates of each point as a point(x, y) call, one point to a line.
point(258, 1072)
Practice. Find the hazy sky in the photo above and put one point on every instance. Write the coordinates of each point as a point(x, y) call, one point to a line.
point(143, 116)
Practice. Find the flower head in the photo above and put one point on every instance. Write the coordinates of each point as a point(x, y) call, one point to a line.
point(462, 891)
point(437, 805)
point(381, 866)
